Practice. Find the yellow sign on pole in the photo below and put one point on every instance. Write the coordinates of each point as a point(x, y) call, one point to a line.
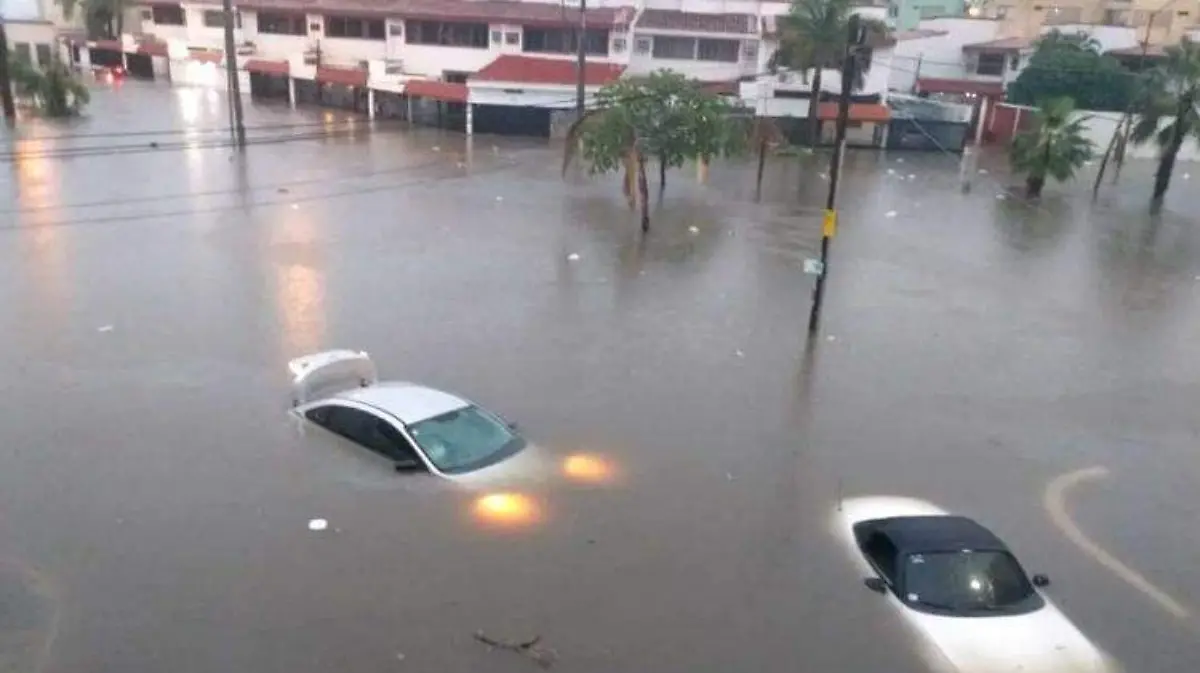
point(829, 226)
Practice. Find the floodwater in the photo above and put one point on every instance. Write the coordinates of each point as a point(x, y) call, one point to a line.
point(155, 494)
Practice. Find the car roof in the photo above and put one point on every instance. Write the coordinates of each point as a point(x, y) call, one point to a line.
point(925, 534)
point(408, 402)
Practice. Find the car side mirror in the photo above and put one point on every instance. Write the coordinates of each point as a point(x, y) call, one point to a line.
point(408, 465)
point(1041, 581)
point(876, 584)
point(512, 425)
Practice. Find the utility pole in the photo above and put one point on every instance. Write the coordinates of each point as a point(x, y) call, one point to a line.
point(233, 86)
point(854, 38)
point(6, 94)
point(581, 61)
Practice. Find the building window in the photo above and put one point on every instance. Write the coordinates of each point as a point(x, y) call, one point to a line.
point(750, 51)
point(512, 37)
point(618, 45)
point(273, 23)
point(497, 36)
point(23, 52)
point(1002, 12)
point(1061, 15)
point(446, 34)
point(643, 45)
point(725, 51)
point(168, 15)
point(396, 29)
point(893, 10)
point(562, 41)
point(147, 15)
point(1014, 63)
point(354, 28)
point(990, 64)
point(693, 49)
point(43, 55)
point(215, 18)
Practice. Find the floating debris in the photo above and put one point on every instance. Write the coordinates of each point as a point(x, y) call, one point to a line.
point(295, 206)
point(499, 198)
point(693, 230)
point(104, 328)
point(739, 353)
point(531, 648)
point(912, 176)
point(283, 190)
point(890, 213)
point(983, 171)
point(574, 257)
point(891, 171)
point(318, 524)
point(436, 148)
point(899, 160)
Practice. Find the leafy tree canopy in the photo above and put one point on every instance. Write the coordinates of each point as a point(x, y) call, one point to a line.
point(1072, 66)
point(1056, 147)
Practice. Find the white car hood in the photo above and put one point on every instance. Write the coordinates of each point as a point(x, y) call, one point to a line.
point(1044, 641)
point(529, 465)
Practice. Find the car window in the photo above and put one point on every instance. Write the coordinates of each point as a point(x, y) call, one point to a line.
point(465, 439)
point(882, 553)
point(363, 428)
point(968, 582)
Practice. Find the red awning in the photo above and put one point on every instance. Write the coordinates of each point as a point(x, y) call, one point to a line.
point(859, 112)
point(344, 76)
point(529, 70)
point(206, 56)
point(443, 91)
point(263, 67)
point(936, 85)
point(153, 48)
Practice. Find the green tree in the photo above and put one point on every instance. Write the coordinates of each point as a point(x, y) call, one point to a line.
point(54, 90)
point(1055, 148)
point(1167, 111)
point(812, 37)
point(664, 116)
point(104, 19)
point(1072, 66)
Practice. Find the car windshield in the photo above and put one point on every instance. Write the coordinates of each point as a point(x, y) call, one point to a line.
point(968, 582)
point(464, 440)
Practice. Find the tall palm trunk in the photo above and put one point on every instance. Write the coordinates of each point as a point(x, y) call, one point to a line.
point(1033, 186)
point(762, 163)
point(1166, 165)
point(814, 120)
point(662, 174)
point(643, 190)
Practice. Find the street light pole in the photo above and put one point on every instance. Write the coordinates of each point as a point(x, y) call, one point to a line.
point(581, 61)
point(233, 86)
point(854, 38)
point(6, 94)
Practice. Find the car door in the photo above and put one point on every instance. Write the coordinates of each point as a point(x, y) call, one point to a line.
point(367, 430)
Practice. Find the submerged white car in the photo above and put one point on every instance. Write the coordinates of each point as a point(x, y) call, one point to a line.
point(962, 591)
point(418, 429)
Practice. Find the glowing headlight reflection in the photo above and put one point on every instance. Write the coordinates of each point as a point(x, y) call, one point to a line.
point(587, 468)
point(507, 509)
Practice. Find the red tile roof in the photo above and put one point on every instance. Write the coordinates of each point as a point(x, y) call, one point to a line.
point(1003, 44)
point(444, 91)
point(264, 67)
point(152, 48)
point(344, 76)
point(666, 19)
point(859, 112)
point(936, 85)
point(530, 70)
point(495, 11)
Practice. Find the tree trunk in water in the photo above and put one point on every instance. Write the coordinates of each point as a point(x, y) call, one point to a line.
point(643, 191)
point(762, 163)
point(662, 174)
point(1166, 166)
point(814, 119)
point(1033, 186)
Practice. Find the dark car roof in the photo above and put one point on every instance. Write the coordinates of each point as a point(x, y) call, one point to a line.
point(924, 534)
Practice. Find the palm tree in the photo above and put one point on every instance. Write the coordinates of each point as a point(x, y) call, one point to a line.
point(53, 89)
point(812, 36)
point(103, 18)
point(1056, 147)
point(1167, 112)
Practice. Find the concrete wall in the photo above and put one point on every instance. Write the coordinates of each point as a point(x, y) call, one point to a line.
point(32, 34)
point(1109, 37)
point(517, 94)
point(1098, 128)
point(909, 12)
point(940, 56)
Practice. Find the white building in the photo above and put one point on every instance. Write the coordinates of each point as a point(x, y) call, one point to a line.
point(34, 29)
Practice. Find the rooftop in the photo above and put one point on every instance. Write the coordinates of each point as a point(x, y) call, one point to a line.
point(408, 402)
point(531, 70)
point(1002, 44)
point(498, 11)
point(922, 534)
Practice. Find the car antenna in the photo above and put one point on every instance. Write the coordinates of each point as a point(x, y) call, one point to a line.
point(839, 494)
